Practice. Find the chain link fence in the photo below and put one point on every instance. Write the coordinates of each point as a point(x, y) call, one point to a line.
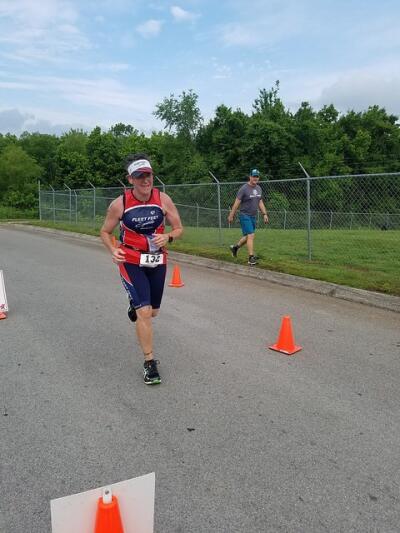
point(312, 207)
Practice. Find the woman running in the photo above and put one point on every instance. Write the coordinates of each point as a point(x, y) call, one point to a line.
point(141, 253)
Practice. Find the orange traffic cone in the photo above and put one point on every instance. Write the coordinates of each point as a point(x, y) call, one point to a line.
point(108, 519)
point(2, 315)
point(285, 342)
point(176, 278)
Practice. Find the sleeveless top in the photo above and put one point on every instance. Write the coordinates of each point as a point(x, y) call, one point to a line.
point(139, 221)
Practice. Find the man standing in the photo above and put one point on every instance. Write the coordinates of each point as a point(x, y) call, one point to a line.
point(249, 198)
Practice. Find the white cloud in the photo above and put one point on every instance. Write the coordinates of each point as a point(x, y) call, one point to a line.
point(221, 72)
point(127, 40)
point(181, 15)
point(40, 31)
point(358, 90)
point(112, 67)
point(12, 120)
point(48, 120)
point(378, 33)
point(38, 14)
point(151, 28)
point(98, 96)
point(265, 23)
point(16, 85)
point(16, 122)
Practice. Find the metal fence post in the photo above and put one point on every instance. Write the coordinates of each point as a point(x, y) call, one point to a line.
point(94, 203)
point(330, 222)
point(40, 201)
point(197, 214)
point(54, 203)
point(219, 206)
point(308, 211)
point(76, 207)
point(70, 203)
point(284, 219)
point(162, 183)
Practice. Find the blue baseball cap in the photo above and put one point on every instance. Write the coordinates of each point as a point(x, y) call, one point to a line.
point(254, 172)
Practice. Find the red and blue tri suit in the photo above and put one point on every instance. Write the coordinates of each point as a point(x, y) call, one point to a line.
point(139, 221)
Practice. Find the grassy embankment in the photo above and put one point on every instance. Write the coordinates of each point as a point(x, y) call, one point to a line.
point(367, 259)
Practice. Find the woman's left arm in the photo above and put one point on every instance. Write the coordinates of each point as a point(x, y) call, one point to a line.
point(172, 214)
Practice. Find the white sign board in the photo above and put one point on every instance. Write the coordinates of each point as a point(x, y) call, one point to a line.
point(77, 513)
point(3, 297)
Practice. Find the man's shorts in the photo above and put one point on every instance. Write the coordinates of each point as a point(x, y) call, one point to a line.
point(248, 224)
point(145, 286)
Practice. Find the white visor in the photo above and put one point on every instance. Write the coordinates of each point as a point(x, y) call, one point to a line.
point(142, 165)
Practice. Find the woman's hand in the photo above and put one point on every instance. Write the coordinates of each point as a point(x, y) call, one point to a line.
point(118, 256)
point(160, 239)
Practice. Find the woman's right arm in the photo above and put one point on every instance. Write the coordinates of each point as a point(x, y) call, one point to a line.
point(113, 216)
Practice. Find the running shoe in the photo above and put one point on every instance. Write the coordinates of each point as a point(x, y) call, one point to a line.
point(252, 260)
point(132, 313)
point(234, 249)
point(150, 372)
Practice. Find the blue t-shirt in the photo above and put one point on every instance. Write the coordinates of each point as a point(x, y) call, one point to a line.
point(249, 199)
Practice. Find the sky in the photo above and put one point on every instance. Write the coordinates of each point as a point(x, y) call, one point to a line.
point(84, 63)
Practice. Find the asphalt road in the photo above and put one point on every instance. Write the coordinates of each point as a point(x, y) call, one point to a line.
point(241, 438)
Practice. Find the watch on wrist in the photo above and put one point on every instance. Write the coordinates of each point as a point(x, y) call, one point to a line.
point(170, 238)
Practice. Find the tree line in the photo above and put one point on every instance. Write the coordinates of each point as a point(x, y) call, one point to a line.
point(271, 138)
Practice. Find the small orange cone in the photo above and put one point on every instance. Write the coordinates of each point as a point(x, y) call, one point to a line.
point(285, 342)
point(176, 278)
point(108, 519)
point(2, 315)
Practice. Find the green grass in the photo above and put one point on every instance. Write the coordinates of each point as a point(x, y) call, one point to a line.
point(11, 213)
point(367, 259)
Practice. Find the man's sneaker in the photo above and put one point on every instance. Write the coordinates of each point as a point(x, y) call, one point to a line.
point(234, 249)
point(132, 313)
point(150, 373)
point(252, 260)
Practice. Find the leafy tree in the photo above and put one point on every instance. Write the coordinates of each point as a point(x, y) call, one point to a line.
point(181, 114)
point(271, 138)
point(123, 130)
point(270, 106)
point(278, 201)
point(73, 167)
point(43, 148)
point(19, 174)
point(221, 143)
point(270, 147)
point(105, 163)
point(6, 140)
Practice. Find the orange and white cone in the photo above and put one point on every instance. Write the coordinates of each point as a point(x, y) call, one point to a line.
point(285, 342)
point(176, 278)
point(108, 518)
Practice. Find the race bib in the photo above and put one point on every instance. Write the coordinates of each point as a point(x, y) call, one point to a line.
point(151, 260)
